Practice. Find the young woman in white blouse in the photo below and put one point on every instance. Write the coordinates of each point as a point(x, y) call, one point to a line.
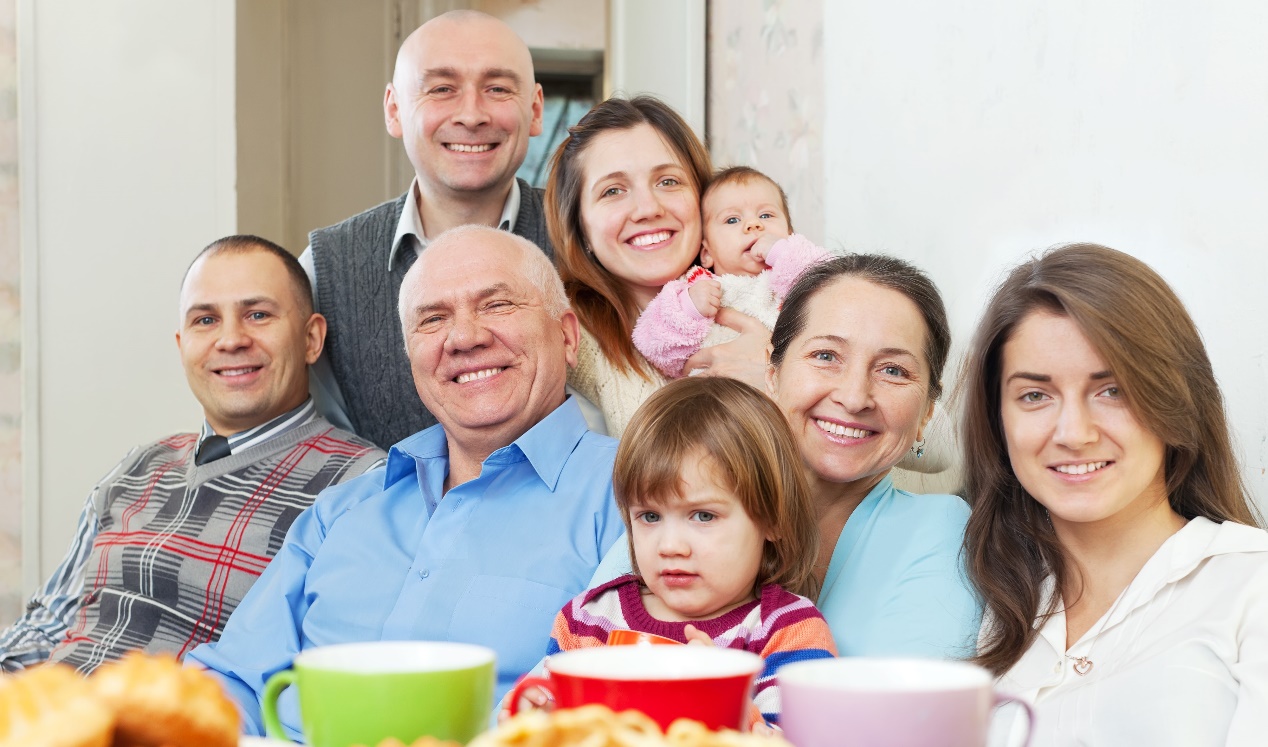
point(1124, 577)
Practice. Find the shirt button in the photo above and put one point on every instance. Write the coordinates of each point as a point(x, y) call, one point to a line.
point(425, 573)
point(1056, 668)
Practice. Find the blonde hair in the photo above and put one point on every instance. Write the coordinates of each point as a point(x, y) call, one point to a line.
point(752, 448)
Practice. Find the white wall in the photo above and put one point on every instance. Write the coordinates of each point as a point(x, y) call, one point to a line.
point(127, 170)
point(963, 134)
point(658, 47)
point(312, 147)
point(554, 24)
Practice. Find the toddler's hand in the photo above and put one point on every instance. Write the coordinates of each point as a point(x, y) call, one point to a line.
point(706, 294)
point(761, 248)
point(536, 697)
point(696, 637)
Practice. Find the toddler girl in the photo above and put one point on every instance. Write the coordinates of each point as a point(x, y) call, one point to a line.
point(721, 533)
point(748, 261)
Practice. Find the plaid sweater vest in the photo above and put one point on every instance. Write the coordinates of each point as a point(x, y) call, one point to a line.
point(178, 545)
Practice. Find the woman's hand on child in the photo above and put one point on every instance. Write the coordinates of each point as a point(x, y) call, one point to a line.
point(696, 637)
point(761, 248)
point(706, 294)
point(743, 358)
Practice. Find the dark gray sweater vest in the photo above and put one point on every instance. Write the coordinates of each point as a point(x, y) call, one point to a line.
point(358, 297)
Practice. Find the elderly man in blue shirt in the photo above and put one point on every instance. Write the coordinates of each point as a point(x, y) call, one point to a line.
point(478, 529)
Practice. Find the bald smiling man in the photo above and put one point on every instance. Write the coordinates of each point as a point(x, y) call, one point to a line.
point(464, 102)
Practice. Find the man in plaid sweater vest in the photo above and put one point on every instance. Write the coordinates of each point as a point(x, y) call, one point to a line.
point(171, 539)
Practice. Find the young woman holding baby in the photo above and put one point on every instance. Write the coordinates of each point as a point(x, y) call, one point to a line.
point(624, 209)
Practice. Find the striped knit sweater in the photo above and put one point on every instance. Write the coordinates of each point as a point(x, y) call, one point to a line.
point(175, 546)
point(780, 626)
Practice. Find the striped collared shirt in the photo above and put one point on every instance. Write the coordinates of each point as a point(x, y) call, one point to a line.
point(283, 423)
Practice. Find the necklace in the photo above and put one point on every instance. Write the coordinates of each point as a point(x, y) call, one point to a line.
point(1082, 664)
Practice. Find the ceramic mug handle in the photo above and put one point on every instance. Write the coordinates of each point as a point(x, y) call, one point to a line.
point(268, 703)
point(513, 700)
point(1000, 700)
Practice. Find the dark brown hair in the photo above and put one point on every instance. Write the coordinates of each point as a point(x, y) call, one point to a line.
point(887, 272)
point(752, 448)
point(602, 303)
point(744, 175)
point(1139, 326)
point(242, 243)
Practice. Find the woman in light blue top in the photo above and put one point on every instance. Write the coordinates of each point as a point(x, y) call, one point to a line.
point(856, 365)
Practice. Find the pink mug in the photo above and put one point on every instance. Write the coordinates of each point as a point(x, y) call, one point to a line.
point(711, 685)
point(866, 702)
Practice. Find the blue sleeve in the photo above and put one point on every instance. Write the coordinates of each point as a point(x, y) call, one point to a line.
point(262, 636)
point(51, 610)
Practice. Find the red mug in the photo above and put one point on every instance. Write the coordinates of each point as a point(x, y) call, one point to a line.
point(634, 638)
point(711, 685)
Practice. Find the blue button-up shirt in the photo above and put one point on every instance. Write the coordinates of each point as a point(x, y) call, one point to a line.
point(391, 556)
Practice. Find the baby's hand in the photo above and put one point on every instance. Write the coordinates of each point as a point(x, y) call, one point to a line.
point(696, 637)
point(706, 294)
point(536, 697)
point(761, 248)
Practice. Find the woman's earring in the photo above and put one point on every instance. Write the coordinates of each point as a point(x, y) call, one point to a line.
point(918, 448)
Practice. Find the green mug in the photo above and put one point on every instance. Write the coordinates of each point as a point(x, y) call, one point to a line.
point(363, 693)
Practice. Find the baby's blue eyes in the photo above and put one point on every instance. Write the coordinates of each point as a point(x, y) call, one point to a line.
point(734, 220)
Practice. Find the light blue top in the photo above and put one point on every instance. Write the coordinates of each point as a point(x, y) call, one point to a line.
point(383, 557)
point(896, 585)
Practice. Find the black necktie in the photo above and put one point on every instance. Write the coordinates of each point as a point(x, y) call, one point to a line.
point(212, 448)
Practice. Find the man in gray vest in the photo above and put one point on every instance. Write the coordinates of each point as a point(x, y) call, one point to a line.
point(464, 101)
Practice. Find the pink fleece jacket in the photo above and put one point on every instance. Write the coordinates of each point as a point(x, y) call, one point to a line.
point(670, 330)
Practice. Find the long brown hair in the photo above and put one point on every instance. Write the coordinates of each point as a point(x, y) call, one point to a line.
point(752, 448)
point(1137, 323)
point(602, 303)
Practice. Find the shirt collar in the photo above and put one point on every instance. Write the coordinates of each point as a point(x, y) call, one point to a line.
point(546, 446)
point(409, 229)
point(283, 423)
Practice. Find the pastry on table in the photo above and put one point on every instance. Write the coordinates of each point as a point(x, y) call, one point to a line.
point(52, 706)
point(159, 703)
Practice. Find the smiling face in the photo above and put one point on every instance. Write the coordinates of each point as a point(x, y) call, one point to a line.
point(854, 384)
point(640, 211)
point(245, 340)
point(464, 101)
point(699, 554)
point(1073, 441)
point(488, 359)
point(736, 215)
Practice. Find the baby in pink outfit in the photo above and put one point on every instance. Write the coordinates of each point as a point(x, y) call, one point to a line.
point(749, 260)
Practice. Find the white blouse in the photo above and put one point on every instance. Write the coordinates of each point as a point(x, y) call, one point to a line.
point(1181, 658)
